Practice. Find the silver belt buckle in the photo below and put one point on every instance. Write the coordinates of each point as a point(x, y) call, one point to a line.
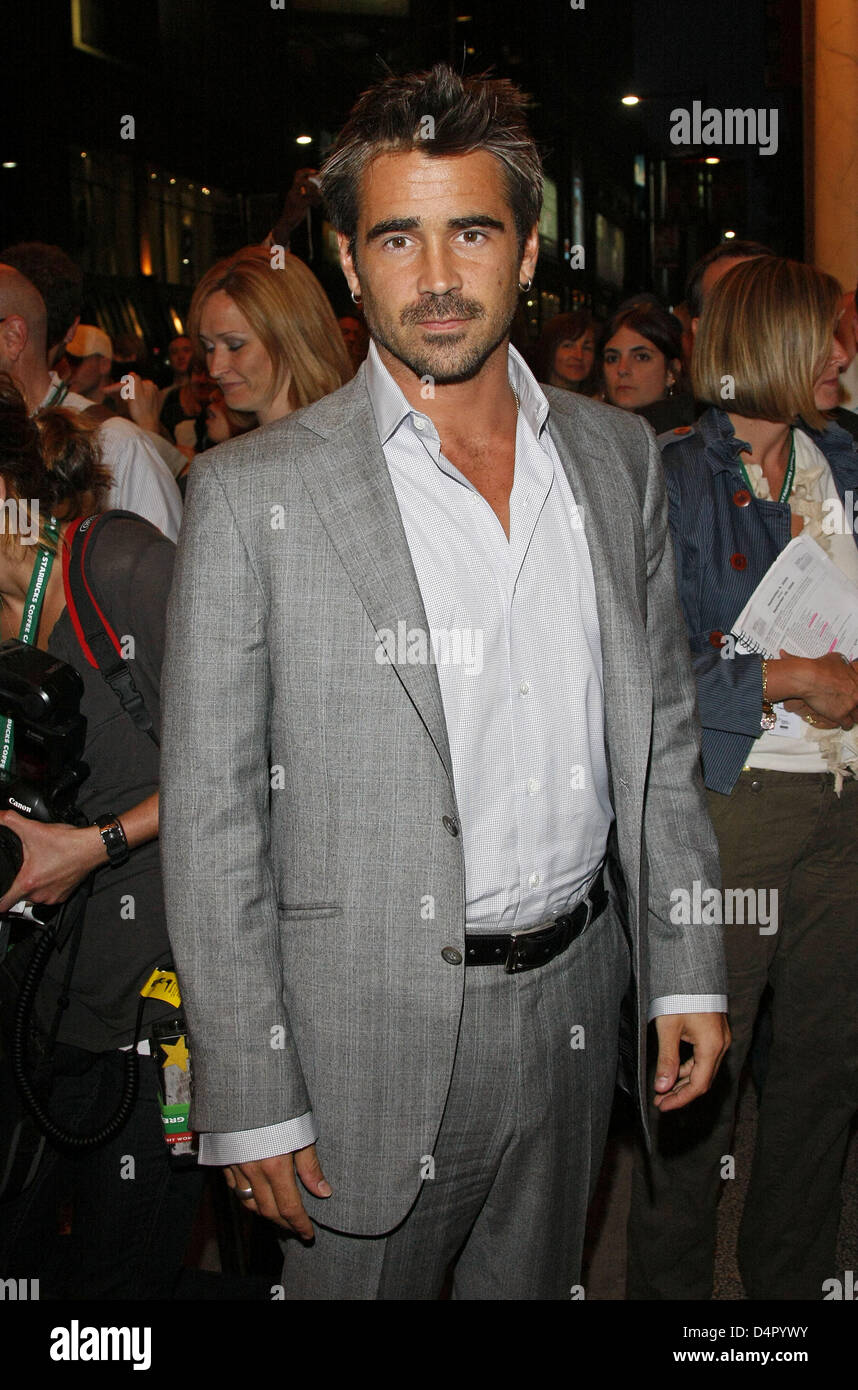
point(511, 964)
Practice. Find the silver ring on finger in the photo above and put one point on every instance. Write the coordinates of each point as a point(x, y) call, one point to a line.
point(245, 1193)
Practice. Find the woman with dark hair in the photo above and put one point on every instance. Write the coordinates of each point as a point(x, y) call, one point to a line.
point(110, 1220)
point(641, 356)
point(565, 355)
point(780, 761)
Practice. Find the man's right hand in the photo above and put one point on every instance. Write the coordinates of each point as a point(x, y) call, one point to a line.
point(275, 1189)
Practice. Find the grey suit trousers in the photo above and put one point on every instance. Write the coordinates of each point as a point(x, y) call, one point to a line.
point(508, 1185)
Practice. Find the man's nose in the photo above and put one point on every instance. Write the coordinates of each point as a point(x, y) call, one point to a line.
point(438, 272)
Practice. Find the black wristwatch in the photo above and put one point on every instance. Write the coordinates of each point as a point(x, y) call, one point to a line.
point(113, 837)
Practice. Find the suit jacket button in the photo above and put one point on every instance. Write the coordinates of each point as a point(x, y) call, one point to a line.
point(449, 825)
point(451, 955)
point(742, 498)
point(739, 561)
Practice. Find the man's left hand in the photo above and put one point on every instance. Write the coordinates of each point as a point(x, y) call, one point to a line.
point(709, 1035)
point(57, 857)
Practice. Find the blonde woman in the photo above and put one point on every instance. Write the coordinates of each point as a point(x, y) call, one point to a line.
point(782, 793)
point(267, 333)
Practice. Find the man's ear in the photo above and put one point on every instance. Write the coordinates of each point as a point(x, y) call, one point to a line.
point(527, 270)
point(348, 265)
point(14, 336)
point(695, 323)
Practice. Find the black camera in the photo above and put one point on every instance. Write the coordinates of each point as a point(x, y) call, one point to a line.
point(42, 695)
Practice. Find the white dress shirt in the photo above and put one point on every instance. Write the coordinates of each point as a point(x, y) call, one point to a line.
point(142, 482)
point(514, 629)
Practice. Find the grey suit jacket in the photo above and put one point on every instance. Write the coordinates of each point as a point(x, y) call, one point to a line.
point(307, 790)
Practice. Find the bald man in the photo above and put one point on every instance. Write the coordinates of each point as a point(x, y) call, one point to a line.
point(142, 483)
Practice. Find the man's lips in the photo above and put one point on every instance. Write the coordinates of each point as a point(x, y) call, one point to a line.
point(442, 323)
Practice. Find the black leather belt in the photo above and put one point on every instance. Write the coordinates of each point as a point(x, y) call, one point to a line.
point(535, 946)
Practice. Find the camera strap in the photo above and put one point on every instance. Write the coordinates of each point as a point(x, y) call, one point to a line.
point(97, 639)
point(29, 630)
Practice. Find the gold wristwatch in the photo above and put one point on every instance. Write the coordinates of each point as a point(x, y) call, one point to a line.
point(768, 718)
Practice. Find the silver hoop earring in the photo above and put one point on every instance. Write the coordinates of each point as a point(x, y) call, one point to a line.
point(356, 298)
point(523, 289)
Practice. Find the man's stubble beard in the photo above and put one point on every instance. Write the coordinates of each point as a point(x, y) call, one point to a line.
point(444, 361)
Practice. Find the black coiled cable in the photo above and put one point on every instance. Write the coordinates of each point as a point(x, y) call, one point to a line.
point(58, 1136)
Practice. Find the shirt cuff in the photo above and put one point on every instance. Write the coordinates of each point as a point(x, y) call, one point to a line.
point(687, 1004)
point(248, 1145)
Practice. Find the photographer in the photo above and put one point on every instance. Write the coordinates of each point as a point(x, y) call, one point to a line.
point(109, 1221)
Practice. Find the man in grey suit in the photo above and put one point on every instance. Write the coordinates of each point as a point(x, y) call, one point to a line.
point(430, 758)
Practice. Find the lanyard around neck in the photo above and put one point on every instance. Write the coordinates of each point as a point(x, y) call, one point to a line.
point(57, 396)
point(29, 629)
point(789, 477)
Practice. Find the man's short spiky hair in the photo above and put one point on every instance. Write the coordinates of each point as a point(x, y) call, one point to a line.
point(440, 114)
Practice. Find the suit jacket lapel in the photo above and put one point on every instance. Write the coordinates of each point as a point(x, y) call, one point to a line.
point(348, 480)
point(603, 499)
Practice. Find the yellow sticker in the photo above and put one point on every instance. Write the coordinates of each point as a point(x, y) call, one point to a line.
point(176, 1054)
point(163, 984)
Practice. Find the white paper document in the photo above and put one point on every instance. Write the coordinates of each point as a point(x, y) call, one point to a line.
point(803, 604)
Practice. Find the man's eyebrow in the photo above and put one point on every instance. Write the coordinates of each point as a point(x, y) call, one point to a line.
point(479, 219)
point(392, 224)
point(408, 224)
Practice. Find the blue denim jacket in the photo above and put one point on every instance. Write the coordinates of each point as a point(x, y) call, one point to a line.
point(724, 544)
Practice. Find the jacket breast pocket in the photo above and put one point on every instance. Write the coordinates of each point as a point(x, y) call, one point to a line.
point(293, 912)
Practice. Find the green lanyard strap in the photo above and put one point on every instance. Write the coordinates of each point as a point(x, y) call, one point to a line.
point(30, 626)
point(58, 395)
point(789, 477)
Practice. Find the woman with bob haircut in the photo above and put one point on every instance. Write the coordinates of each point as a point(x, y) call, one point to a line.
point(763, 464)
point(267, 333)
